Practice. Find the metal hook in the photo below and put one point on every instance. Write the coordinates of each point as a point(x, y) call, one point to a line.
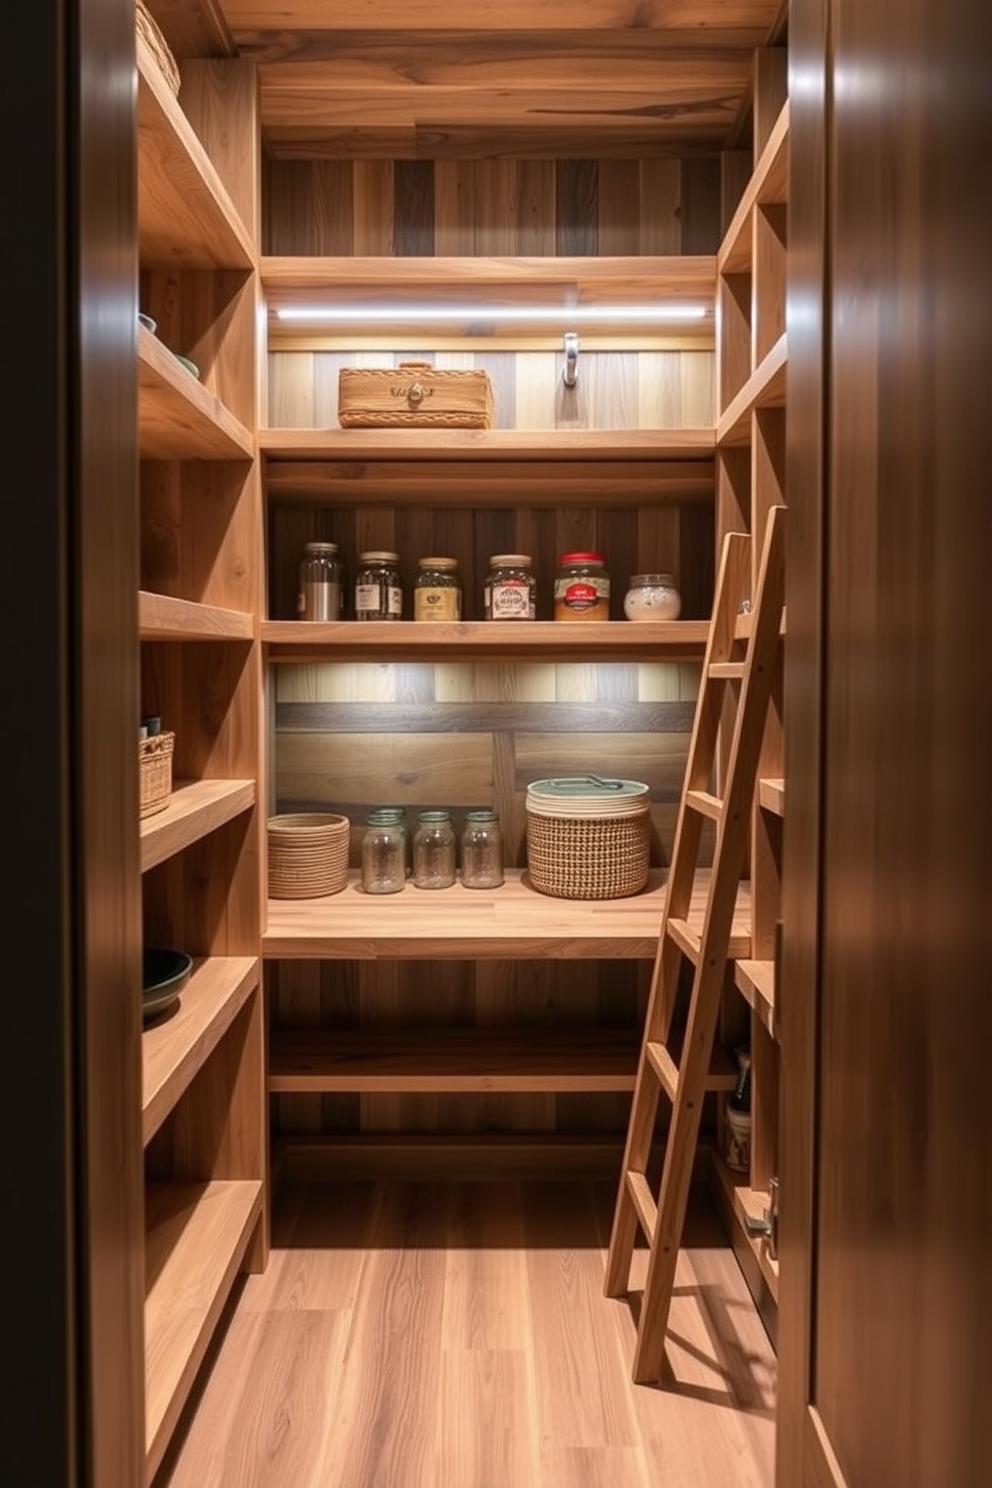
point(570, 372)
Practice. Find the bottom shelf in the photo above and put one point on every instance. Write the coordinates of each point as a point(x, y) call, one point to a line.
point(414, 1157)
point(196, 1235)
point(737, 1201)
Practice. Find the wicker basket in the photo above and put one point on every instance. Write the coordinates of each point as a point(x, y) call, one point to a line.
point(588, 838)
point(308, 854)
point(155, 772)
point(413, 395)
point(159, 47)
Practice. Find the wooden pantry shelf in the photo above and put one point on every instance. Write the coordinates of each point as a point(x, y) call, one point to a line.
point(738, 1202)
point(179, 418)
point(771, 795)
point(769, 184)
point(162, 617)
point(755, 980)
point(175, 1049)
point(185, 216)
point(453, 1059)
point(490, 466)
point(196, 1235)
point(513, 922)
point(378, 640)
point(527, 284)
point(446, 1157)
point(196, 808)
point(765, 388)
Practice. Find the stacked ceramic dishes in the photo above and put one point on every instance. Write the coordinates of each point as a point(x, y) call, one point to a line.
point(588, 837)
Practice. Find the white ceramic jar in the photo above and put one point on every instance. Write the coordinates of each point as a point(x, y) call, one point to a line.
point(652, 597)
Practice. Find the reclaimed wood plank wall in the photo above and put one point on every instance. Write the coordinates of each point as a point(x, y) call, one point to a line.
point(350, 736)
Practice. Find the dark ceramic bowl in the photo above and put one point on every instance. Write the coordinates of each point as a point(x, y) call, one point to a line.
point(164, 974)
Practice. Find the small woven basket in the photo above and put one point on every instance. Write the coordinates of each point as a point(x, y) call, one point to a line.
point(308, 854)
point(148, 29)
point(583, 842)
point(155, 772)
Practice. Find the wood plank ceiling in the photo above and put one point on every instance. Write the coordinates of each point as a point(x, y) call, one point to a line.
point(410, 79)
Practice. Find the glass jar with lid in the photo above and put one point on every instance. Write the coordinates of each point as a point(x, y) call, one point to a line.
point(434, 851)
point(437, 593)
point(582, 587)
point(395, 816)
point(511, 588)
point(378, 587)
point(319, 593)
point(652, 597)
point(383, 856)
point(482, 851)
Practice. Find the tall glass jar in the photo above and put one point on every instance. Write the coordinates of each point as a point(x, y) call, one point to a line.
point(434, 851)
point(396, 816)
point(378, 587)
point(319, 593)
point(383, 857)
point(482, 851)
point(437, 591)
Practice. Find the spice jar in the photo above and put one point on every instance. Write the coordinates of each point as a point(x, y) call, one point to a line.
point(383, 857)
point(582, 587)
point(482, 851)
point(437, 593)
point(434, 851)
point(319, 595)
point(652, 597)
point(511, 588)
point(378, 587)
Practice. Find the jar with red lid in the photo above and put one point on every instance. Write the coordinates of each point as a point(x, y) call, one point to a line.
point(582, 587)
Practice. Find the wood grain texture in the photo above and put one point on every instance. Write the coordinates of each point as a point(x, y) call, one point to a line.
point(462, 1336)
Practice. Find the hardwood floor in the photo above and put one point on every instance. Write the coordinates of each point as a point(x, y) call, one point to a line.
point(457, 1336)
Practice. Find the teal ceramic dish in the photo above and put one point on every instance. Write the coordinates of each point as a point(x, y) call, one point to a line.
point(164, 974)
point(147, 322)
point(191, 367)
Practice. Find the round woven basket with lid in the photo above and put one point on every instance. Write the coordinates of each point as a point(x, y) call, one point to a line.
point(588, 837)
point(308, 854)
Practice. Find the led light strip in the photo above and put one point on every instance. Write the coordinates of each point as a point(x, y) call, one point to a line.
point(568, 315)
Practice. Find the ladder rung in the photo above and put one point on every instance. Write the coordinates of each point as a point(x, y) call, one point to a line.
point(664, 1067)
point(721, 1075)
point(705, 803)
point(685, 938)
point(643, 1201)
point(728, 671)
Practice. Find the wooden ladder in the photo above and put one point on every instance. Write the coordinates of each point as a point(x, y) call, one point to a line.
point(685, 1076)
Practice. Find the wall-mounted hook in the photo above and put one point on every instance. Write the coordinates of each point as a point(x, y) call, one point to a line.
point(570, 372)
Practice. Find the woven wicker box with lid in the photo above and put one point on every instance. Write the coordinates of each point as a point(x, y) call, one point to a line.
point(414, 395)
point(587, 837)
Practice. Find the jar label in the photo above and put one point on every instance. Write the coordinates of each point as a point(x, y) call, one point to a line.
point(510, 600)
point(437, 604)
point(395, 601)
point(367, 599)
point(585, 599)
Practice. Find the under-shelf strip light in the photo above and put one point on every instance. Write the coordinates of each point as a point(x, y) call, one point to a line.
point(657, 311)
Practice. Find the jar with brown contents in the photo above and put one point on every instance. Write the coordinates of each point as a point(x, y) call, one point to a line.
point(582, 587)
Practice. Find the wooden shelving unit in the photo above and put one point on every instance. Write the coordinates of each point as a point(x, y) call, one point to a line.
point(752, 366)
point(203, 1114)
